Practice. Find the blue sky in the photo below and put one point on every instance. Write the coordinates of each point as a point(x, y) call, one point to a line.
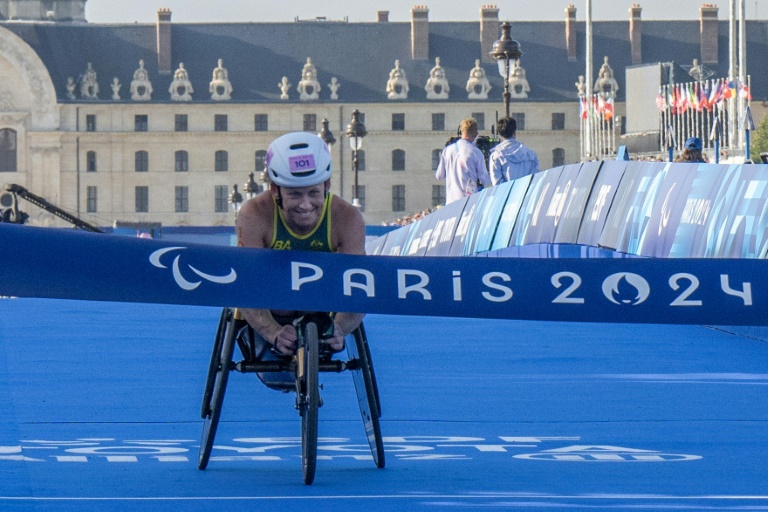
point(144, 11)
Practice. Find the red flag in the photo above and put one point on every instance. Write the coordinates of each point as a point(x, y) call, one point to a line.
point(744, 91)
point(704, 97)
point(661, 103)
point(608, 108)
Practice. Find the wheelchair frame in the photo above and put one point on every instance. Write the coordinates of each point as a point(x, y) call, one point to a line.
point(306, 365)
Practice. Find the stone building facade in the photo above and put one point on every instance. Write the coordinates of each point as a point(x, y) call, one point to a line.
point(157, 122)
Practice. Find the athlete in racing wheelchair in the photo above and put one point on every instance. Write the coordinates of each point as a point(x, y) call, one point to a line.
point(287, 349)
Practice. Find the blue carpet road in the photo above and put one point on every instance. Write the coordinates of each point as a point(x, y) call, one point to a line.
point(100, 412)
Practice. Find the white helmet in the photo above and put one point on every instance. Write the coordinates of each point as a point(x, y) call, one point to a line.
point(298, 159)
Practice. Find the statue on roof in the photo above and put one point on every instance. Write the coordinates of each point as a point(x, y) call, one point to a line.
point(284, 86)
point(89, 86)
point(606, 83)
point(116, 86)
point(220, 86)
point(70, 88)
point(141, 87)
point(334, 87)
point(699, 72)
point(397, 85)
point(478, 84)
point(518, 84)
point(581, 87)
point(181, 88)
point(309, 87)
point(437, 86)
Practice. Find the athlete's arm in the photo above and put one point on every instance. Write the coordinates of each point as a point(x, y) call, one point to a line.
point(348, 232)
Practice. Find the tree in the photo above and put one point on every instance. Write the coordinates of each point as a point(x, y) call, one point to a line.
point(759, 139)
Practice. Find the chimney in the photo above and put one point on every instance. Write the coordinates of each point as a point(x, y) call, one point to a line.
point(570, 32)
point(636, 33)
point(709, 33)
point(383, 16)
point(420, 32)
point(489, 31)
point(164, 41)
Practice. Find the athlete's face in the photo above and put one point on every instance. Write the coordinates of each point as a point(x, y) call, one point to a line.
point(303, 206)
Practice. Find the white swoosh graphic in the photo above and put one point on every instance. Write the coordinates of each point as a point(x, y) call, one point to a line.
point(183, 283)
point(230, 278)
point(154, 258)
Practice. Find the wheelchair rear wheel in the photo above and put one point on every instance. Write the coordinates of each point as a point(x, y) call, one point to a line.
point(218, 374)
point(309, 400)
point(367, 394)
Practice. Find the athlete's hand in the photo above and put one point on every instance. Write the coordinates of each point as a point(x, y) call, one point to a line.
point(336, 342)
point(286, 339)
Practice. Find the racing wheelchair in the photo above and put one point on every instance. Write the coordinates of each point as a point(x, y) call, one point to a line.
point(312, 357)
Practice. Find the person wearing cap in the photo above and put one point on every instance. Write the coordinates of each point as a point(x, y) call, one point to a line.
point(299, 213)
point(692, 152)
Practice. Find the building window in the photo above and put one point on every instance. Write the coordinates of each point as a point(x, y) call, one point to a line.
point(7, 150)
point(310, 123)
point(519, 118)
point(90, 123)
point(182, 199)
point(90, 161)
point(220, 122)
point(438, 122)
point(261, 160)
point(558, 157)
point(398, 122)
point(182, 123)
point(141, 123)
point(141, 161)
point(92, 200)
point(558, 121)
point(438, 195)
point(361, 160)
point(436, 153)
point(142, 199)
point(222, 161)
point(480, 118)
point(182, 161)
point(360, 195)
point(261, 122)
point(398, 198)
point(221, 198)
point(398, 160)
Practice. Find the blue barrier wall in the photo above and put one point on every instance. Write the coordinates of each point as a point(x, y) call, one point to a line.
point(602, 209)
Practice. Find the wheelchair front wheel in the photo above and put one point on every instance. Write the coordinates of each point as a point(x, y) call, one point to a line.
point(309, 400)
point(213, 366)
point(219, 387)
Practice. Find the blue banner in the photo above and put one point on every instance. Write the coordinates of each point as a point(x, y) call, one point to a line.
point(51, 263)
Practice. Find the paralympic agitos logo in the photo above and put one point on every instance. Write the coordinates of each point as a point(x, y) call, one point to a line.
point(183, 282)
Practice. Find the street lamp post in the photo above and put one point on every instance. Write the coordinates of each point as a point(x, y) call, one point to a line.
point(355, 132)
point(504, 50)
point(236, 200)
point(326, 134)
point(251, 188)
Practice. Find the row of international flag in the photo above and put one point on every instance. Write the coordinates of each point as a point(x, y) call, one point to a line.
point(598, 106)
point(699, 96)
